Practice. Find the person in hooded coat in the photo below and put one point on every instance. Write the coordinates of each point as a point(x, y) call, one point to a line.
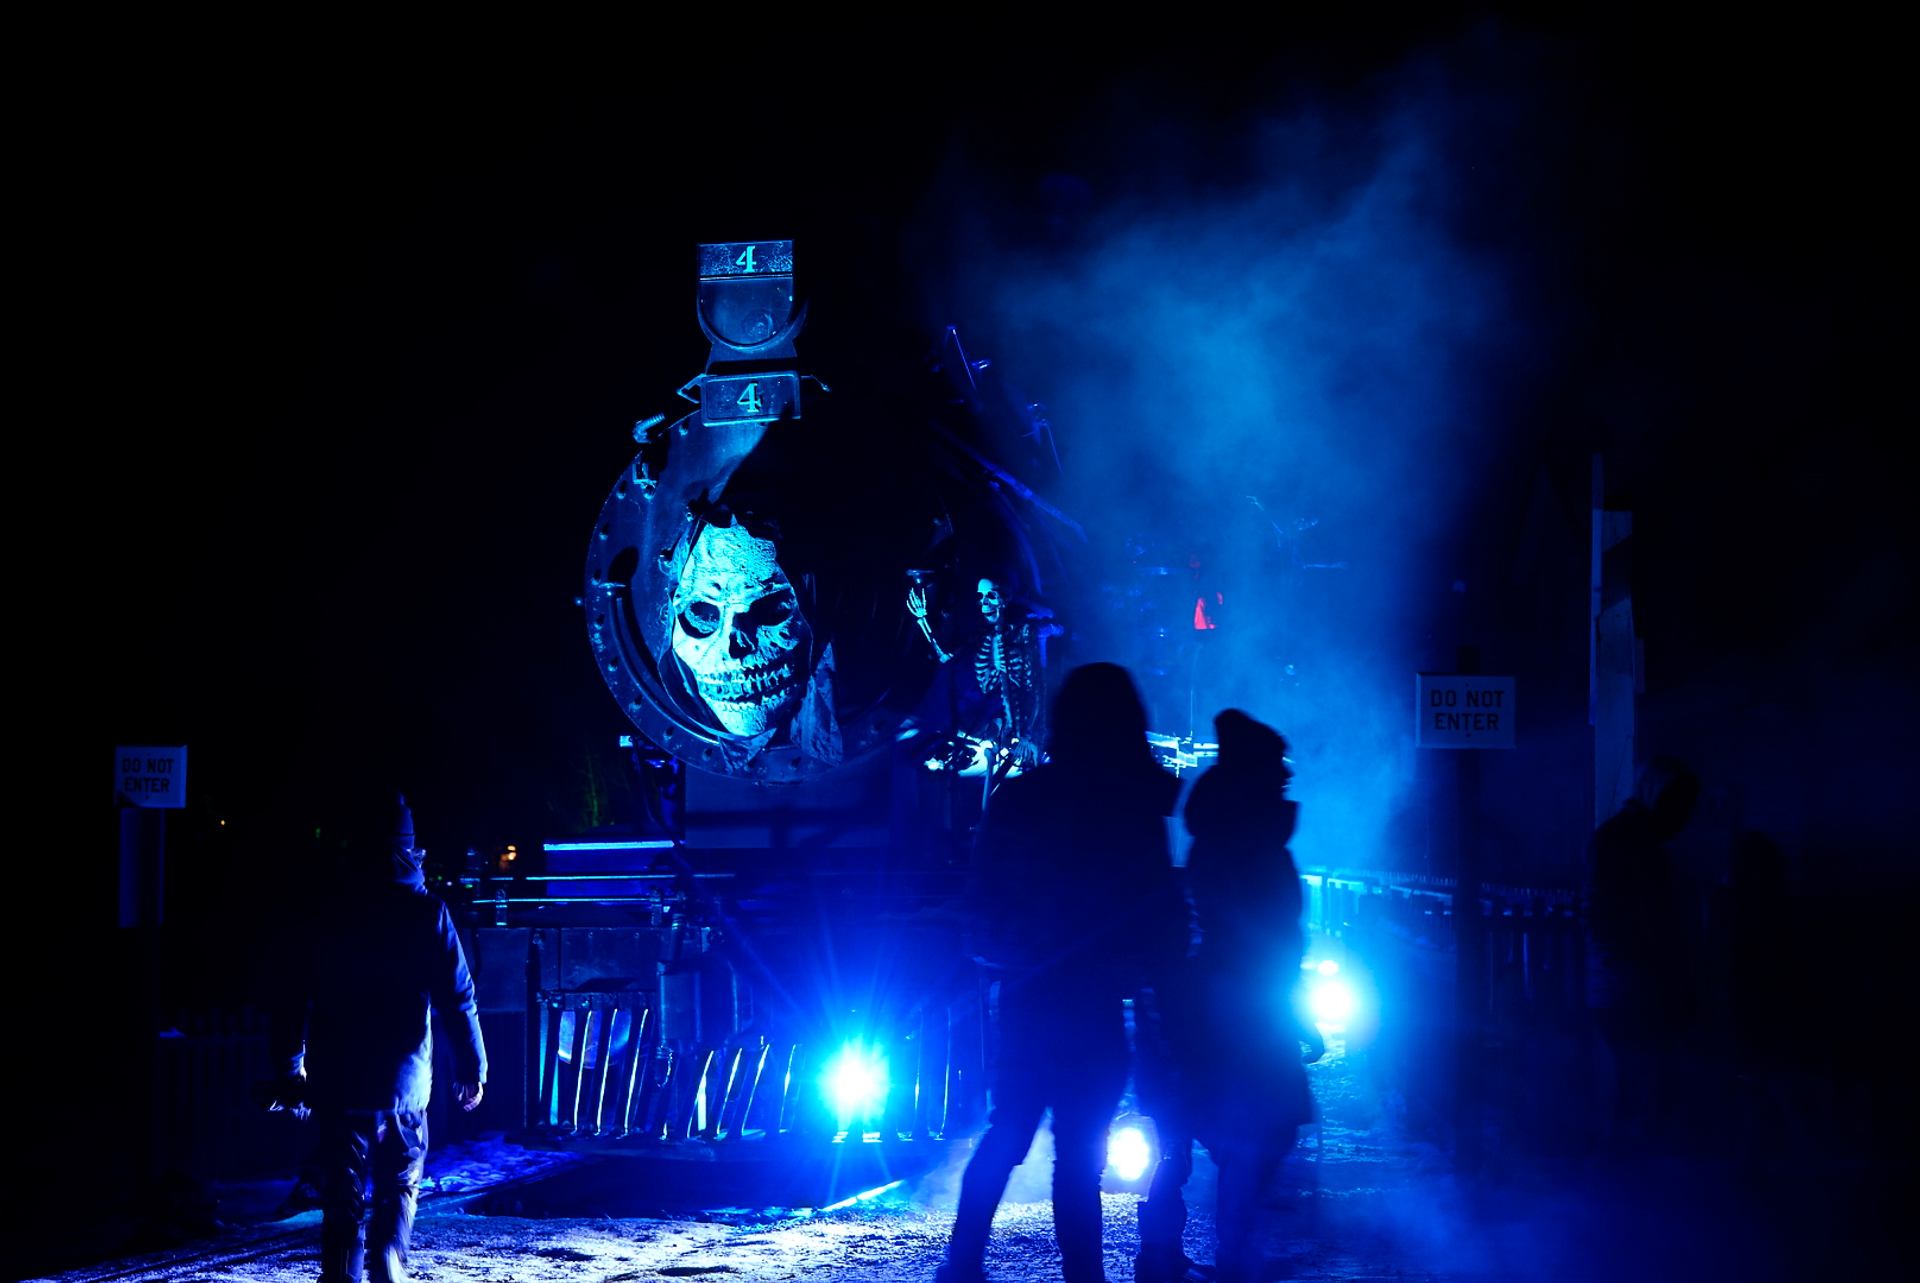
point(1230, 1033)
point(1641, 934)
point(1076, 905)
point(354, 1034)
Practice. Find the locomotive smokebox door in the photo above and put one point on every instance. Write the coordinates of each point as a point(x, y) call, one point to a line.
point(743, 581)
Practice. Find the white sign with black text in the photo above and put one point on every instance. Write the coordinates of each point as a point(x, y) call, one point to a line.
point(150, 776)
point(1455, 710)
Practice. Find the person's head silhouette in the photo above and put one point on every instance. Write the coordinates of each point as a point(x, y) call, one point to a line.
point(1669, 791)
point(381, 841)
point(1247, 743)
point(1098, 719)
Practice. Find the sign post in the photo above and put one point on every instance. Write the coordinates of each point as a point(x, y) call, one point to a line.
point(1469, 711)
point(147, 783)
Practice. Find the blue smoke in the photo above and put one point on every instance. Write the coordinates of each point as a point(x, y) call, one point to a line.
point(1282, 347)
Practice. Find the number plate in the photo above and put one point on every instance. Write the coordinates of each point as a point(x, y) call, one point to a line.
point(746, 258)
point(750, 398)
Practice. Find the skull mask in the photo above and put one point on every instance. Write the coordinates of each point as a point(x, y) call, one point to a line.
point(991, 601)
point(738, 632)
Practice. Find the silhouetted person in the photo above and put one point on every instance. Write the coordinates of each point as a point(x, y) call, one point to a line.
point(355, 1033)
point(1234, 1075)
point(1640, 938)
point(1076, 904)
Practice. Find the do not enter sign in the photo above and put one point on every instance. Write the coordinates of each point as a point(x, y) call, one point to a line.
point(154, 777)
point(1452, 710)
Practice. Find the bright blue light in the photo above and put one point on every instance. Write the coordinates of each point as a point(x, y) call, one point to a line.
point(645, 844)
point(1332, 1004)
point(856, 1084)
point(1129, 1153)
point(864, 1196)
point(1329, 968)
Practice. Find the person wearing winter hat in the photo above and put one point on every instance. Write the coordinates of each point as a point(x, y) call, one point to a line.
point(354, 1034)
point(1225, 1063)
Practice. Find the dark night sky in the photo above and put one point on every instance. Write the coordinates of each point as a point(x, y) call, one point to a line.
point(348, 350)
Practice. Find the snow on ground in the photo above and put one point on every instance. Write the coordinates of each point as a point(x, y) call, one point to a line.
point(1355, 1202)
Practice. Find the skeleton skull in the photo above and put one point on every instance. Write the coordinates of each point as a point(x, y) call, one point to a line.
point(738, 632)
point(990, 600)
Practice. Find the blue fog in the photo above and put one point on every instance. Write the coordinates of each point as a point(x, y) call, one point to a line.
point(1287, 344)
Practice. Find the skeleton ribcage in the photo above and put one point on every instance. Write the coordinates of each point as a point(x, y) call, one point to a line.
point(1005, 664)
point(1004, 661)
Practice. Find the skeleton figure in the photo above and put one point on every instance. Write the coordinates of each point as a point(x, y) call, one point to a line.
point(1006, 665)
point(737, 633)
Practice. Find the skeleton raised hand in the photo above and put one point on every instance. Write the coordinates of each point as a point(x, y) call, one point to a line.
point(917, 607)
